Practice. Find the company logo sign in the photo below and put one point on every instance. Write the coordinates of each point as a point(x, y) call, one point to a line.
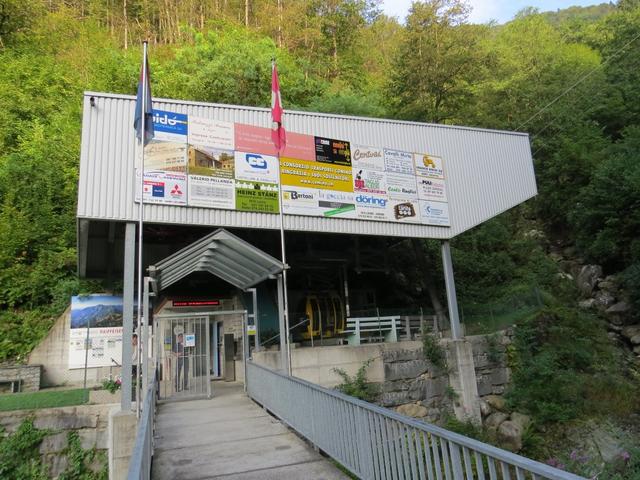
point(370, 201)
point(404, 210)
point(169, 122)
point(428, 162)
point(256, 161)
point(294, 195)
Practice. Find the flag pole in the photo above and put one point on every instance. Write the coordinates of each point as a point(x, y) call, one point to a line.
point(141, 337)
point(283, 249)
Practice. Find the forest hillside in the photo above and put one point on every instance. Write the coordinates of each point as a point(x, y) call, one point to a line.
point(569, 78)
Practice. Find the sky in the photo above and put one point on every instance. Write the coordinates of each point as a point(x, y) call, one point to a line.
point(487, 10)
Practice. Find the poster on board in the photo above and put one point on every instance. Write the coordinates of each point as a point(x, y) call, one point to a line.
point(337, 152)
point(397, 161)
point(428, 165)
point(207, 132)
point(403, 210)
point(165, 156)
point(163, 188)
point(102, 315)
point(212, 192)
point(367, 158)
point(369, 181)
point(257, 197)
point(400, 186)
point(311, 174)
point(431, 189)
point(211, 162)
point(300, 201)
point(256, 167)
point(434, 213)
point(170, 126)
point(371, 207)
point(337, 204)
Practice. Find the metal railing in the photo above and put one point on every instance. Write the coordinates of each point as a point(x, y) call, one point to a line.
point(376, 443)
point(142, 455)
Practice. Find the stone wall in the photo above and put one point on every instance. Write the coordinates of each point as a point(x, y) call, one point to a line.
point(26, 376)
point(490, 359)
point(90, 421)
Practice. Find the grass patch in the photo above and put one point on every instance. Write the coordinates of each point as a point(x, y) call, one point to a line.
point(43, 399)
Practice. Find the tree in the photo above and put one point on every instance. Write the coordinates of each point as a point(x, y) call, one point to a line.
point(436, 62)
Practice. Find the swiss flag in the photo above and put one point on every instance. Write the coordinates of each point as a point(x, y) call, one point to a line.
point(278, 135)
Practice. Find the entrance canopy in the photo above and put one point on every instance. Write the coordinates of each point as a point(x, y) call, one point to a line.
point(221, 254)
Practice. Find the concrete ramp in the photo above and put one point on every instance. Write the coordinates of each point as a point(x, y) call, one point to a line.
point(230, 437)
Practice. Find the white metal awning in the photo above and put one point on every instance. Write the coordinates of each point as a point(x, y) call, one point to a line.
point(221, 254)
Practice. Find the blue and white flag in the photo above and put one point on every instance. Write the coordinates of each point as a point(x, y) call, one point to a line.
point(144, 89)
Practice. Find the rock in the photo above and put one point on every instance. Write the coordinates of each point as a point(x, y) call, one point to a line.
point(494, 420)
point(510, 436)
point(564, 276)
point(604, 299)
point(618, 308)
point(485, 409)
point(405, 370)
point(632, 333)
point(521, 419)
point(588, 278)
point(608, 286)
point(587, 304)
point(496, 402)
point(412, 410)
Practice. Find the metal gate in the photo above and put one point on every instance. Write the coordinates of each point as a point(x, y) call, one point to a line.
point(183, 357)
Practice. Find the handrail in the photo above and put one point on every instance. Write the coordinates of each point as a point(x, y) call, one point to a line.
point(378, 443)
point(140, 462)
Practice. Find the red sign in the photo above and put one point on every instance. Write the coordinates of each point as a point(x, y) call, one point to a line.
point(196, 303)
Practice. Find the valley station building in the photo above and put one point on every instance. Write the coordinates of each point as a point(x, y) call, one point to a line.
point(211, 186)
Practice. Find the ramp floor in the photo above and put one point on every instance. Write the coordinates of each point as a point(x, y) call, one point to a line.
point(230, 437)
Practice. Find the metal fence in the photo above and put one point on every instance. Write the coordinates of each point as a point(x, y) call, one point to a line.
point(142, 455)
point(376, 443)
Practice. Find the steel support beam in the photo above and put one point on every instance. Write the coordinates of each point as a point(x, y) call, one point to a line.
point(450, 284)
point(127, 312)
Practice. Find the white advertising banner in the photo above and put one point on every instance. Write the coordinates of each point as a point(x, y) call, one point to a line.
point(212, 192)
point(163, 188)
point(428, 165)
point(368, 158)
point(211, 133)
point(431, 189)
point(371, 207)
point(334, 203)
point(255, 167)
point(165, 156)
point(434, 213)
point(398, 161)
point(400, 186)
point(369, 181)
point(300, 201)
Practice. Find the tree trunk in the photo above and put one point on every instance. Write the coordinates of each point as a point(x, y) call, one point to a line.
point(246, 13)
point(126, 24)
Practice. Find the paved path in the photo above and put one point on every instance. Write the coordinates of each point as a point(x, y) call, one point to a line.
point(230, 437)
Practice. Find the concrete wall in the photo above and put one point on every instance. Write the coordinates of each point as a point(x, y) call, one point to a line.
point(90, 421)
point(53, 354)
point(28, 377)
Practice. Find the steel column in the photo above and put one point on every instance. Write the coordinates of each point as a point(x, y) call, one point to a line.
point(284, 357)
point(127, 312)
point(450, 284)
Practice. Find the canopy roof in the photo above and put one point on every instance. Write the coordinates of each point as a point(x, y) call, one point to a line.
point(221, 254)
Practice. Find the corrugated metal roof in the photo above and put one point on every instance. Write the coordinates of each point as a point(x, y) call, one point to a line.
point(221, 254)
point(487, 171)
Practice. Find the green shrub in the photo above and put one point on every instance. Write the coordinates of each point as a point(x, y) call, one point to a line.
point(20, 455)
point(433, 351)
point(357, 386)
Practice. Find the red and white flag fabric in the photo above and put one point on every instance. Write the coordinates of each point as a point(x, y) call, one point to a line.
point(278, 135)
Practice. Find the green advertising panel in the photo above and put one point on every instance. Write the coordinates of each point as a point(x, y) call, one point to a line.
point(257, 197)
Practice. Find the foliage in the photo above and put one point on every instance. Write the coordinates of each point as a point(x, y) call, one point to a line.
point(43, 399)
point(19, 453)
point(566, 367)
point(433, 351)
point(357, 386)
point(83, 464)
point(112, 385)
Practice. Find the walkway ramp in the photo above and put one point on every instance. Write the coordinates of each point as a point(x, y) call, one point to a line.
point(231, 437)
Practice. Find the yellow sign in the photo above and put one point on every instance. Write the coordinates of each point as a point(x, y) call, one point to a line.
point(310, 174)
point(428, 161)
